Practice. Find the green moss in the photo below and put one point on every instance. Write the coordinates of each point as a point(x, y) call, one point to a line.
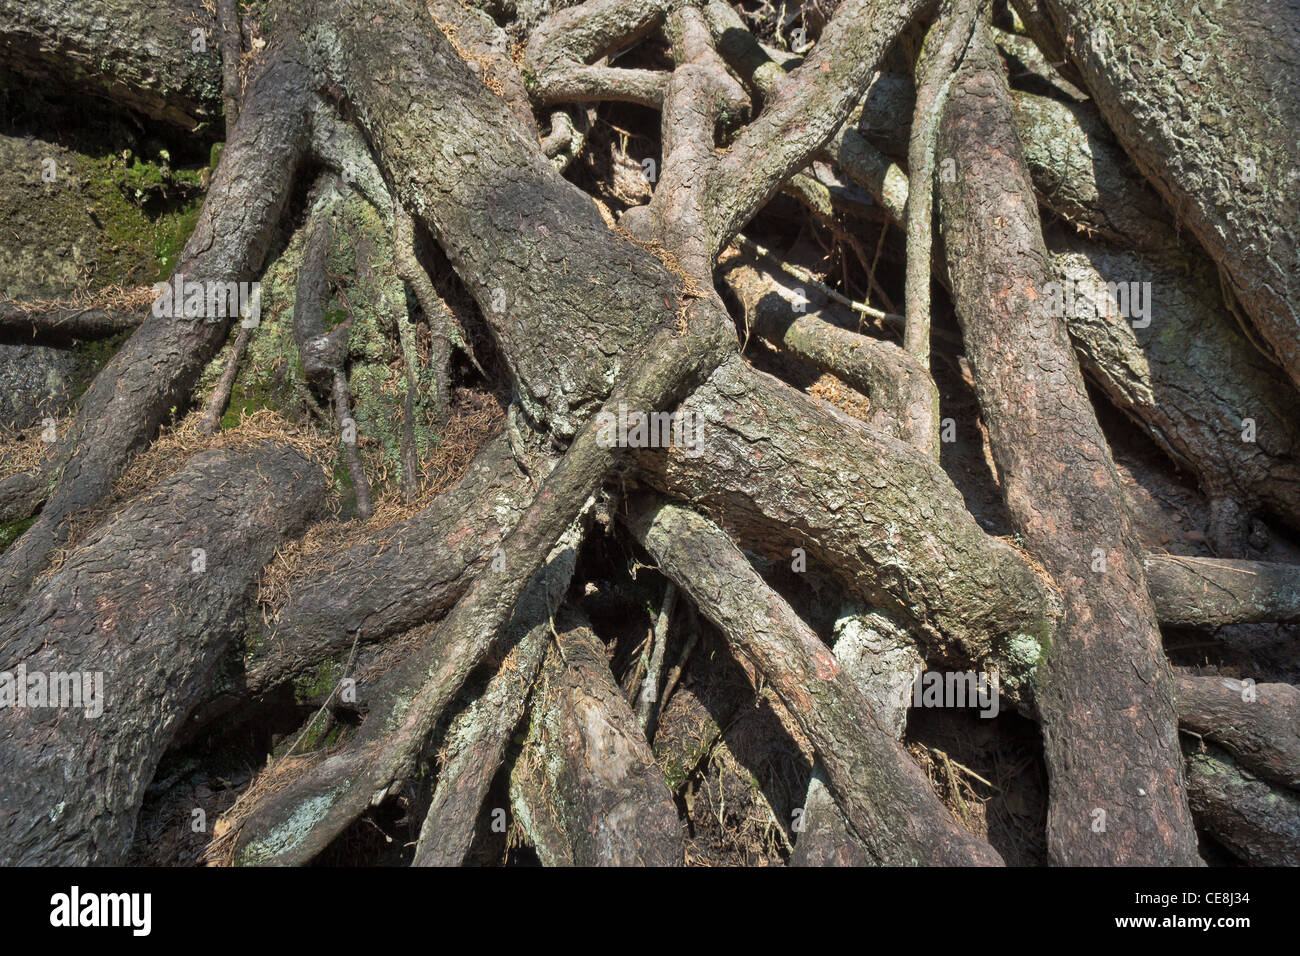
point(9, 532)
point(366, 292)
point(248, 395)
point(318, 682)
point(319, 734)
point(98, 352)
point(676, 773)
point(146, 212)
point(679, 764)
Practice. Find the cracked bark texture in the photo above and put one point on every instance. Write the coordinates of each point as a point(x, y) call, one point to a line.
point(531, 246)
point(588, 768)
point(887, 800)
point(130, 604)
point(155, 370)
point(1259, 724)
point(1187, 374)
point(137, 53)
point(780, 470)
point(1084, 178)
point(1210, 118)
point(1109, 731)
point(1258, 823)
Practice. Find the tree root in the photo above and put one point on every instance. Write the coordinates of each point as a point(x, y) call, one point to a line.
point(562, 51)
point(292, 825)
point(889, 804)
point(20, 324)
point(148, 602)
point(391, 582)
point(146, 61)
point(1112, 749)
point(901, 389)
point(159, 364)
point(323, 352)
point(1258, 823)
point(1202, 592)
point(479, 735)
point(220, 396)
point(1259, 724)
point(1235, 205)
point(587, 786)
point(785, 475)
point(648, 700)
point(1189, 377)
point(479, 738)
point(943, 48)
point(383, 755)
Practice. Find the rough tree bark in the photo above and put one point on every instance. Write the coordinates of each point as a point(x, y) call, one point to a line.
point(425, 109)
point(1171, 104)
point(160, 363)
point(1110, 732)
point(144, 54)
point(886, 799)
point(598, 783)
point(150, 601)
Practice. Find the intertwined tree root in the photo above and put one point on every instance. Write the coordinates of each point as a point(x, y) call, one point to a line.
point(447, 619)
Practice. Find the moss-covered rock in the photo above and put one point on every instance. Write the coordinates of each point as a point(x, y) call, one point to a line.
point(83, 220)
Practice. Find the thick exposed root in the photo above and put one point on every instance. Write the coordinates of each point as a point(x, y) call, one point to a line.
point(586, 782)
point(788, 476)
point(1110, 733)
point(1238, 193)
point(142, 611)
point(591, 321)
point(160, 363)
point(1201, 592)
point(563, 51)
point(293, 824)
point(1260, 824)
point(888, 802)
point(1168, 353)
point(147, 60)
point(1259, 724)
point(389, 583)
point(1084, 178)
point(478, 740)
point(23, 324)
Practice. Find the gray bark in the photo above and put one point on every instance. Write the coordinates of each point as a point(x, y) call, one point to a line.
point(129, 604)
point(1210, 119)
point(1258, 823)
point(887, 800)
point(158, 366)
point(1110, 733)
point(589, 770)
point(137, 53)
